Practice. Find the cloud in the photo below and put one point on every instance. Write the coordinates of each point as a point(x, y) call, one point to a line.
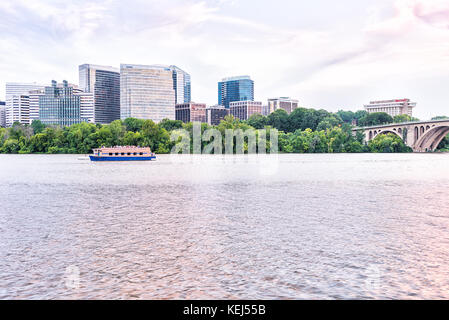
point(371, 49)
point(435, 13)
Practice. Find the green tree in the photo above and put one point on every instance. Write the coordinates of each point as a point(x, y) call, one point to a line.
point(11, 146)
point(349, 116)
point(295, 119)
point(388, 143)
point(328, 123)
point(132, 139)
point(444, 144)
point(257, 121)
point(375, 119)
point(440, 118)
point(133, 124)
point(403, 118)
point(279, 119)
point(360, 114)
point(170, 125)
point(37, 126)
point(346, 116)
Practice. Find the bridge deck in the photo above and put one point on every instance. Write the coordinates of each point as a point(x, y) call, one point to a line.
point(400, 124)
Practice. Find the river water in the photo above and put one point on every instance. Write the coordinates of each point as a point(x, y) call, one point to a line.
point(324, 226)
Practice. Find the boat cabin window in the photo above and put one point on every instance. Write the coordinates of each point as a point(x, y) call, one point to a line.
point(141, 153)
point(110, 153)
point(122, 153)
point(129, 153)
point(135, 153)
point(116, 153)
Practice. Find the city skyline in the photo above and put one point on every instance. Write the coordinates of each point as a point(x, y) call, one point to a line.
point(328, 58)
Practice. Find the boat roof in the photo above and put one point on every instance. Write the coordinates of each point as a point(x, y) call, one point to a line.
point(124, 149)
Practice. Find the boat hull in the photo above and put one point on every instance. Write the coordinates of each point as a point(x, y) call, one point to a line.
point(97, 158)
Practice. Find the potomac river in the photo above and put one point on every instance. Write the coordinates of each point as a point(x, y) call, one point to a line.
point(291, 226)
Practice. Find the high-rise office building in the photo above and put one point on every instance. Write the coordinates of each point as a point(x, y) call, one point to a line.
point(59, 105)
point(87, 105)
point(392, 107)
point(191, 112)
point(232, 89)
point(285, 103)
point(17, 110)
point(181, 85)
point(146, 92)
point(18, 88)
point(245, 109)
point(2, 114)
point(34, 103)
point(214, 114)
point(104, 83)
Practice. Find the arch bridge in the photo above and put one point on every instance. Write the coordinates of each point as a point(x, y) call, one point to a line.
point(421, 136)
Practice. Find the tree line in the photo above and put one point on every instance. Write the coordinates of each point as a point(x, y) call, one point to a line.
point(302, 131)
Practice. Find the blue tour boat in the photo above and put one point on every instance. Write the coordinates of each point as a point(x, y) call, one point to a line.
point(119, 153)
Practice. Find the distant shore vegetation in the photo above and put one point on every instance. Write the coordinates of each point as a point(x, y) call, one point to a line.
point(302, 131)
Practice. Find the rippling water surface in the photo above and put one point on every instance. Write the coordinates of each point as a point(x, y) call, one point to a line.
point(205, 227)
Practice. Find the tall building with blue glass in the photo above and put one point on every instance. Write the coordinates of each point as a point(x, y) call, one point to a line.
point(181, 85)
point(59, 106)
point(104, 83)
point(232, 89)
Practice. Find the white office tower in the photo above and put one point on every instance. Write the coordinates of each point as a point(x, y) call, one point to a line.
point(87, 105)
point(34, 104)
point(146, 92)
point(17, 110)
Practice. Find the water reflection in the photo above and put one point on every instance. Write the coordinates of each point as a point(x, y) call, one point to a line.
point(321, 226)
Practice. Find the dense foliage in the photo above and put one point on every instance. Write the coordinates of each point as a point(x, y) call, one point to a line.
point(302, 131)
point(83, 137)
point(349, 116)
point(388, 143)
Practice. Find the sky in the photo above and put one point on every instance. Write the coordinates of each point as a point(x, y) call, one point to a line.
point(325, 53)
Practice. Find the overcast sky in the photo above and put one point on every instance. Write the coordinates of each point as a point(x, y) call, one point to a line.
point(326, 53)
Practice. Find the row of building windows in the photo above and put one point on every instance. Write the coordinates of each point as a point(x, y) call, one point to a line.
point(129, 153)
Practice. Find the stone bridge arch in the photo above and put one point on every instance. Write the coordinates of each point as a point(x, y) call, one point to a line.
point(374, 133)
point(420, 136)
point(430, 138)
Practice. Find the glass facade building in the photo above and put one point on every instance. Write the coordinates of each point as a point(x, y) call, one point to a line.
point(59, 105)
point(181, 85)
point(104, 83)
point(2, 114)
point(232, 89)
point(146, 92)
